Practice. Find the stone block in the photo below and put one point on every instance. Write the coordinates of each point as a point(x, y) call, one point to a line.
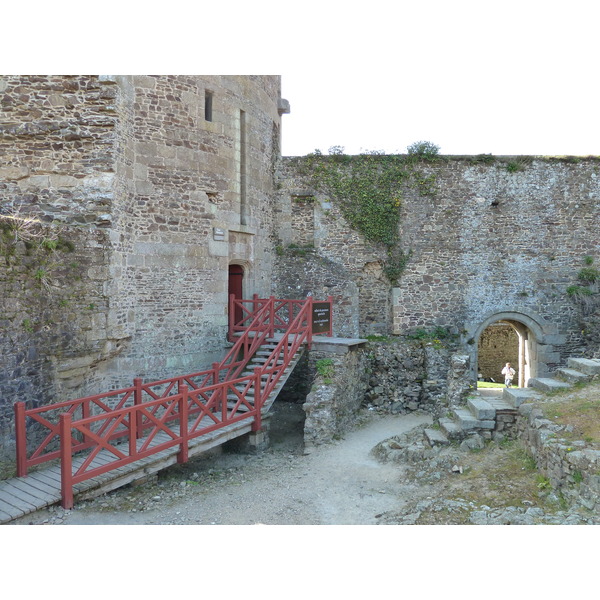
point(436, 437)
point(571, 375)
point(517, 396)
point(450, 427)
point(585, 365)
point(548, 384)
point(466, 419)
point(481, 409)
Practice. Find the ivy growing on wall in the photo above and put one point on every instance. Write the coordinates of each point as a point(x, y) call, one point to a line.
point(369, 189)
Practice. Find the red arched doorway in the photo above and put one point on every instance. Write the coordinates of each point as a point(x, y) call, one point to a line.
point(236, 278)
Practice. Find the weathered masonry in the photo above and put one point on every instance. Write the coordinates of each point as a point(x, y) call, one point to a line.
point(126, 202)
point(132, 206)
point(491, 241)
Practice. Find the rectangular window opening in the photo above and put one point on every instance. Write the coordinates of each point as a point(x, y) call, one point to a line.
point(208, 104)
point(242, 172)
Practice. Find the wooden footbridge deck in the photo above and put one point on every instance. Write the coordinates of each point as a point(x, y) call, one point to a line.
point(92, 445)
point(20, 496)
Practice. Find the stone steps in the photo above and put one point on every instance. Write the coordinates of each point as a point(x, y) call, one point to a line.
point(450, 428)
point(548, 384)
point(484, 415)
point(589, 366)
point(436, 437)
point(514, 397)
point(572, 375)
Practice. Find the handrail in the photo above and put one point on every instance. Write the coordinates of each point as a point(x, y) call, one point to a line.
point(173, 422)
point(301, 330)
point(82, 408)
point(127, 414)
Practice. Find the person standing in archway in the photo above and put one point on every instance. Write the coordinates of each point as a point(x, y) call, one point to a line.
point(508, 373)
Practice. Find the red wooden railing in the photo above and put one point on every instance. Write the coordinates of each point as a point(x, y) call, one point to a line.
point(183, 407)
point(281, 313)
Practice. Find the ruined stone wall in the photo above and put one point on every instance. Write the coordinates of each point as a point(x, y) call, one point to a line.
point(390, 377)
point(494, 240)
point(302, 272)
point(153, 201)
point(496, 236)
point(333, 404)
point(57, 138)
point(345, 251)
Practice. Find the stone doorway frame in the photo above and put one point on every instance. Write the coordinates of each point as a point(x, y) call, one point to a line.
point(537, 341)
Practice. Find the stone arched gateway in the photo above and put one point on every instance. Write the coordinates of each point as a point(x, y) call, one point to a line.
point(537, 343)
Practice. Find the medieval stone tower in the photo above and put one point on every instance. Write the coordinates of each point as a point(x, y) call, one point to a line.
point(125, 203)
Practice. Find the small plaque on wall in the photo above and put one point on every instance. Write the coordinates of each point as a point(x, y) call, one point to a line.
point(218, 234)
point(321, 317)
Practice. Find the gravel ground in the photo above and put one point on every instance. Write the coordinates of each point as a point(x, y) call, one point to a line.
point(342, 483)
point(337, 484)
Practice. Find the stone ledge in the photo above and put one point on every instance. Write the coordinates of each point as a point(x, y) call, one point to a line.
point(336, 345)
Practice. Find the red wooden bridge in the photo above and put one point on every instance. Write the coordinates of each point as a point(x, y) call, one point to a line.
point(84, 447)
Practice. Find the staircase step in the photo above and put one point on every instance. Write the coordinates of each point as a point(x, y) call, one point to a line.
point(500, 404)
point(548, 384)
point(517, 396)
point(436, 437)
point(589, 366)
point(481, 409)
point(266, 375)
point(572, 375)
point(450, 428)
point(468, 421)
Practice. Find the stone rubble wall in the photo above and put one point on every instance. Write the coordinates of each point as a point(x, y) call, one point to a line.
point(332, 407)
point(350, 256)
point(303, 273)
point(502, 236)
point(391, 378)
point(572, 468)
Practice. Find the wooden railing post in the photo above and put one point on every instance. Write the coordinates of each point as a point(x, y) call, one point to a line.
point(133, 431)
point(66, 461)
point(258, 400)
point(85, 413)
point(182, 456)
point(137, 401)
point(216, 370)
point(231, 316)
point(272, 311)
point(21, 439)
point(309, 322)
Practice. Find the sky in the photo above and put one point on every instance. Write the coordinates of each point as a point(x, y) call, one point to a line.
point(473, 77)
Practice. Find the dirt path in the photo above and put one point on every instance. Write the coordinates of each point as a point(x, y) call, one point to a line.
point(338, 484)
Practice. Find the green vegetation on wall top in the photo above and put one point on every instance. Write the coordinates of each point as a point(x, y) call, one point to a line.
point(369, 186)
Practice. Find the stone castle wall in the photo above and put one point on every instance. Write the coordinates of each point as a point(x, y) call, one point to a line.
point(142, 200)
point(499, 237)
point(346, 254)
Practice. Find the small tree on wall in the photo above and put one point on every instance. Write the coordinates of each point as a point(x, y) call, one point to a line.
point(426, 150)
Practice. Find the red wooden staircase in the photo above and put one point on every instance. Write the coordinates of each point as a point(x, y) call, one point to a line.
point(94, 444)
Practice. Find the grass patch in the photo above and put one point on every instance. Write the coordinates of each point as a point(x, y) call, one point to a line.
point(580, 410)
point(489, 384)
